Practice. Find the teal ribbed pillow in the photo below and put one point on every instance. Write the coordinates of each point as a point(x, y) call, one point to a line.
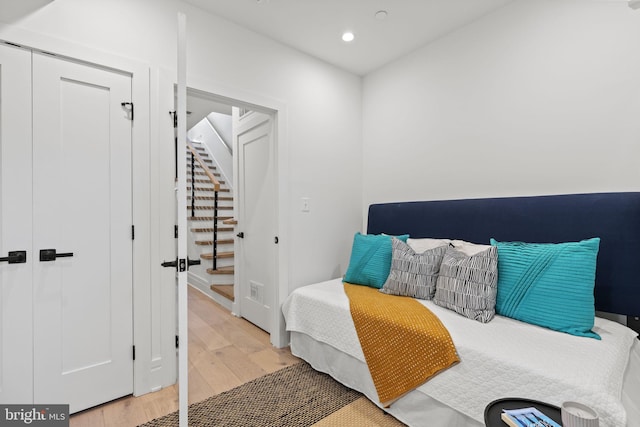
point(370, 260)
point(548, 284)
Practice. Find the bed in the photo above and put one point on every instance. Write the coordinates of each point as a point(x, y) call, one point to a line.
point(556, 366)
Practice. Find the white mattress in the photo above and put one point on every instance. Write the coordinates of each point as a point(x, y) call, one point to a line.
point(502, 358)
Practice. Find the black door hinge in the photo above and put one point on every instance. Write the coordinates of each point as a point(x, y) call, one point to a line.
point(133, 232)
point(174, 114)
point(177, 341)
point(175, 231)
point(134, 352)
point(128, 106)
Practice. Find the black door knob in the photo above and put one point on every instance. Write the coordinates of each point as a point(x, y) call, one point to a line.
point(173, 264)
point(15, 257)
point(52, 254)
point(181, 263)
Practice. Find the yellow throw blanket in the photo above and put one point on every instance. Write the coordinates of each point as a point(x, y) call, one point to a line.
point(403, 342)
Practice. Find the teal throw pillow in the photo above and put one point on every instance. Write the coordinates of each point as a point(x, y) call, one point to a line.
point(370, 260)
point(549, 284)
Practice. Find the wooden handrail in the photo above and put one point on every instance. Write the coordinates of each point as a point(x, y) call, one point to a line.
point(216, 188)
point(214, 181)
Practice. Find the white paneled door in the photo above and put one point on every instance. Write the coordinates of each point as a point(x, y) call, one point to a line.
point(16, 320)
point(80, 254)
point(257, 202)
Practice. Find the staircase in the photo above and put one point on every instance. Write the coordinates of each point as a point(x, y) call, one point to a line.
point(216, 253)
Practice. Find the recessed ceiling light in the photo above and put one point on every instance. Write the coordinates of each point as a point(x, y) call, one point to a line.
point(348, 36)
point(381, 15)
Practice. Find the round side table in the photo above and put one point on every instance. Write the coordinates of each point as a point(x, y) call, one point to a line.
point(494, 409)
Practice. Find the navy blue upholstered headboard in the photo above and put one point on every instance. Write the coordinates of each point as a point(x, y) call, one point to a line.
point(614, 217)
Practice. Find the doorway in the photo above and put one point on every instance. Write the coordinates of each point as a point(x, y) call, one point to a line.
point(238, 142)
point(238, 248)
point(211, 217)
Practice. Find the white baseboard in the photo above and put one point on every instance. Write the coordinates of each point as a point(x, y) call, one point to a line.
point(203, 286)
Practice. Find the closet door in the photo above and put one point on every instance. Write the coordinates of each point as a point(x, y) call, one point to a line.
point(16, 326)
point(257, 252)
point(82, 209)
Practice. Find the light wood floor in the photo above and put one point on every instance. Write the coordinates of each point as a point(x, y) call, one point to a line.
point(224, 352)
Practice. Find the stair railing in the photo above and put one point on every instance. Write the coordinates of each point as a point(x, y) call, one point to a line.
point(195, 157)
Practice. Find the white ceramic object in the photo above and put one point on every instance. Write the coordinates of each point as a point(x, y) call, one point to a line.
point(576, 414)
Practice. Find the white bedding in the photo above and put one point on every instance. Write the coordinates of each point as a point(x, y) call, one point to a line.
point(502, 358)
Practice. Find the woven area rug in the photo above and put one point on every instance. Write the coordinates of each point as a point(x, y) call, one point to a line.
point(295, 396)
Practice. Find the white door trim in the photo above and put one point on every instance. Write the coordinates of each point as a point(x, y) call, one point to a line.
point(278, 110)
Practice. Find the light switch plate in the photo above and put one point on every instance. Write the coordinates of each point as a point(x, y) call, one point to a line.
point(305, 205)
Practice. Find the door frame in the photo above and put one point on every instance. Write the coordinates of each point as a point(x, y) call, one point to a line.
point(278, 111)
point(153, 367)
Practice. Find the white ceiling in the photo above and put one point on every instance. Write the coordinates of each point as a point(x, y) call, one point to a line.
point(316, 26)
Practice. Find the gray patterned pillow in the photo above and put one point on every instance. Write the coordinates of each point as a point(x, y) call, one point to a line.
point(413, 274)
point(468, 284)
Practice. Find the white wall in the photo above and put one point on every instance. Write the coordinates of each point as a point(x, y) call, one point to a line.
point(321, 134)
point(540, 97)
point(222, 123)
point(323, 105)
point(217, 150)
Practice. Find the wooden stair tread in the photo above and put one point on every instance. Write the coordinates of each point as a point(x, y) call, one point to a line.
point(204, 173)
point(222, 190)
point(210, 230)
point(221, 270)
point(210, 242)
point(205, 181)
point(204, 159)
point(220, 198)
point(207, 218)
point(230, 221)
point(197, 166)
point(210, 208)
point(224, 290)
point(219, 255)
